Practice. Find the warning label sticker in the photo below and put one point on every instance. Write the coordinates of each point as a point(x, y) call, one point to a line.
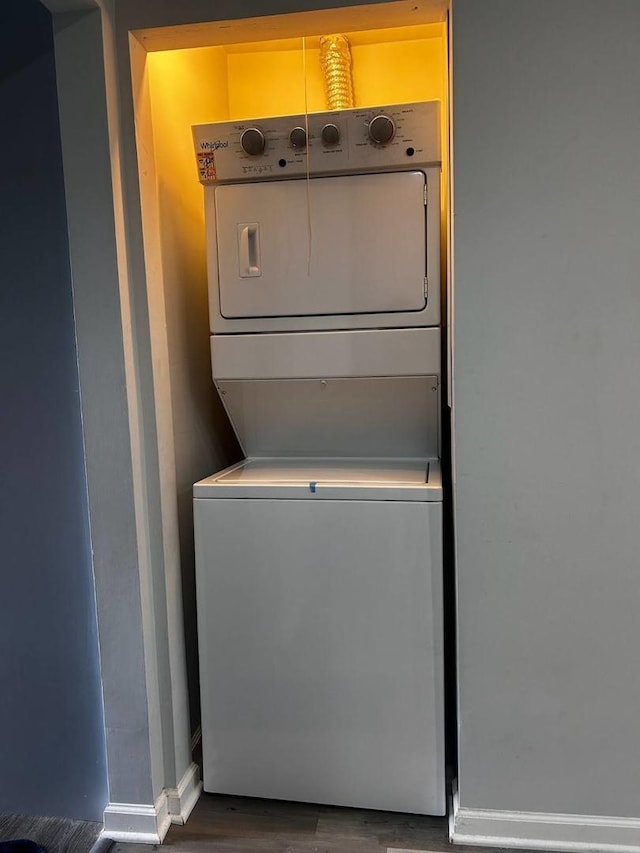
point(206, 167)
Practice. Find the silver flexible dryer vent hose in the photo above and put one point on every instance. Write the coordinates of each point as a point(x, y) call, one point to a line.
point(335, 59)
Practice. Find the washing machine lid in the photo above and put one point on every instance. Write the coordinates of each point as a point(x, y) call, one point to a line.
point(326, 479)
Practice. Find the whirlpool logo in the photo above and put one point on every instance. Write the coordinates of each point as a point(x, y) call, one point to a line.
point(214, 145)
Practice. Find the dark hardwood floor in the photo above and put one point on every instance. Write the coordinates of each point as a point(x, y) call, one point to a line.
point(221, 824)
point(56, 835)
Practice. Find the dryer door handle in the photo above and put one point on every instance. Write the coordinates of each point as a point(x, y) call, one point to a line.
point(249, 249)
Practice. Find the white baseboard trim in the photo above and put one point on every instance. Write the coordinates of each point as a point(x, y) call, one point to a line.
point(543, 831)
point(137, 823)
point(182, 799)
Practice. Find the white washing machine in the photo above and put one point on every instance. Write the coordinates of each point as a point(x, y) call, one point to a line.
point(319, 557)
point(320, 621)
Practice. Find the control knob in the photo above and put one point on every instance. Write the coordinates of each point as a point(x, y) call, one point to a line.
point(298, 137)
point(252, 141)
point(330, 134)
point(381, 129)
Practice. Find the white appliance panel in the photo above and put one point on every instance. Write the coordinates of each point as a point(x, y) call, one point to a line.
point(373, 417)
point(321, 651)
point(344, 245)
point(429, 316)
point(323, 355)
point(416, 143)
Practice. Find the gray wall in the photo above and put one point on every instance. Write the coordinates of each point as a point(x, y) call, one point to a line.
point(51, 730)
point(547, 403)
point(123, 534)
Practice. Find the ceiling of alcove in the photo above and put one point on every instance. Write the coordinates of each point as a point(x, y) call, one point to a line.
point(354, 19)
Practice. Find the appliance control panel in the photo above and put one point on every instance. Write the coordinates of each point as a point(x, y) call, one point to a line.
point(364, 139)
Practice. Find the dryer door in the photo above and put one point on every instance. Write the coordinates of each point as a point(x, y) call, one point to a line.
point(340, 245)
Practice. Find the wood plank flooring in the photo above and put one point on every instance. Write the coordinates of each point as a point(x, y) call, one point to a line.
point(221, 824)
point(56, 835)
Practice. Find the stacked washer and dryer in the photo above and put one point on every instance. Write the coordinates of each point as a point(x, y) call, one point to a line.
point(319, 556)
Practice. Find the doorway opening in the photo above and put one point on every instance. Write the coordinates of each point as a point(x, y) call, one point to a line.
point(246, 69)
